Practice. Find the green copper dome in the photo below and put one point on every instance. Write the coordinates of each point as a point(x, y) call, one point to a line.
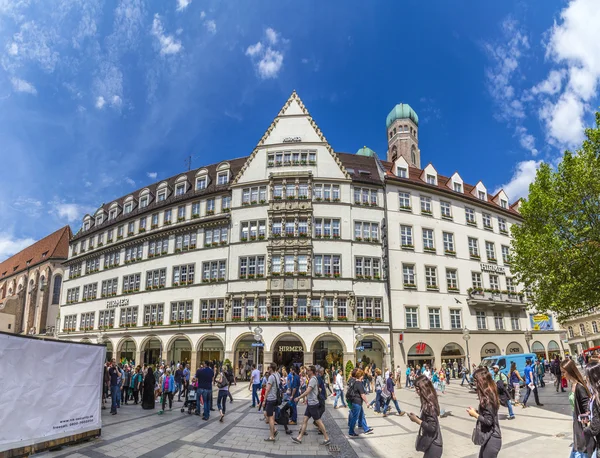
point(401, 111)
point(364, 151)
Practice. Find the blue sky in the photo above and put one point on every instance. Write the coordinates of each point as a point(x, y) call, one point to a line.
point(99, 98)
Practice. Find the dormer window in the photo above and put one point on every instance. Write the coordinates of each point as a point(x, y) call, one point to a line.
point(503, 203)
point(201, 183)
point(402, 172)
point(98, 220)
point(481, 195)
point(223, 178)
point(86, 226)
point(112, 214)
point(180, 189)
point(162, 196)
point(143, 202)
point(457, 187)
point(430, 179)
point(128, 207)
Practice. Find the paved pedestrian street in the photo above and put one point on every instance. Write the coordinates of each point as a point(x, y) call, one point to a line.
point(141, 433)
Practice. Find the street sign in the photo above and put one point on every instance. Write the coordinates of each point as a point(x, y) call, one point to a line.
point(401, 337)
point(258, 344)
point(360, 348)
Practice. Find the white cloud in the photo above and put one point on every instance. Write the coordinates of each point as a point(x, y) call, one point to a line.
point(211, 26)
point(152, 175)
point(88, 184)
point(29, 206)
point(523, 176)
point(68, 212)
point(168, 44)
point(267, 58)
point(20, 85)
point(9, 245)
point(183, 4)
point(100, 102)
point(202, 14)
point(526, 140)
point(129, 181)
point(13, 49)
point(573, 47)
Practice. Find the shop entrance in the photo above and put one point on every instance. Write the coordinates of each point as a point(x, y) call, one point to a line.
point(180, 351)
point(152, 351)
point(539, 349)
point(420, 354)
point(288, 352)
point(453, 353)
point(327, 352)
point(127, 351)
point(245, 355)
point(553, 349)
point(369, 351)
point(211, 349)
point(109, 351)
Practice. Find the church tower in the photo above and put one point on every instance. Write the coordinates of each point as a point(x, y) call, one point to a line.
point(403, 135)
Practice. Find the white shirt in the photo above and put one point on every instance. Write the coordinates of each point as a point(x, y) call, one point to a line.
point(255, 376)
point(387, 375)
point(427, 374)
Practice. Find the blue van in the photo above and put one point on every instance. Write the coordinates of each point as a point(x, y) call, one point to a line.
point(504, 362)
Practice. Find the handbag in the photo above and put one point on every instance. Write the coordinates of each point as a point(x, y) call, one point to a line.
point(479, 436)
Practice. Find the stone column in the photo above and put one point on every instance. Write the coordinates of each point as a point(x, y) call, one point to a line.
point(138, 358)
point(267, 359)
point(308, 358)
point(194, 361)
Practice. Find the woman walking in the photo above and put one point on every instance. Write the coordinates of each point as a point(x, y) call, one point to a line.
point(378, 388)
point(148, 389)
point(487, 429)
point(515, 380)
point(167, 388)
point(136, 382)
point(592, 427)
point(429, 439)
point(579, 398)
point(328, 381)
point(223, 385)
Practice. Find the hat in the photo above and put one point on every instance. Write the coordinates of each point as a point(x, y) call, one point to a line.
point(495, 366)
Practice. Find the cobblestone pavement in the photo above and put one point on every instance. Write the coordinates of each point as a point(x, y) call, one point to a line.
point(140, 433)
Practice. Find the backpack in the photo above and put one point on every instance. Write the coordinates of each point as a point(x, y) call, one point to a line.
point(278, 398)
point(222, 381)
point(503, 394)
point(385, 393)
point(350, 392)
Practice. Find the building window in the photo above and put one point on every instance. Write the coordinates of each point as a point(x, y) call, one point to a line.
point(367, 267)
point(470, 216)
point(594, 327)
point(112, 214)
point(131, 283)
point(162, 196)
point(503, 203)
point(185, 241)
point(494, 283)
point(167, 216)
point(131, 228)
point(428, 240)
point(158, 247)
point(366, 231)
point(252, 266)
point(505, 254)
point(70, 323)
point(476, 280)
point(143, 202)
point(435, 321)
point(181, 312)
point(514, 321)
point(431, 179)
point(129, 316)
point(571, 333)
point(426, 205)
point(225, 203)
point(341, 308)
point(455, 319)
point(153, 314)
point(87, 321)
point(326, 192)
point(502, 226)
point(448, 239)
point(180, 189)
point(406, 237)
point(498, 321)
point(412, 317)
point(223, 178)
point(106, 319)
point(481, 195)
point(452, 279)
point(481, 320)
point(181, 213)
point(408, 275)
point(326, 228)
point(457, 187)
point(487, 220)
point(183, 275)
point(128, 208)
point(582, 329)
point(490, 251)
point(302, 307)
point(142, 224)
point(213, 271)
point(56, 289)
point(112, 259)
point(369, 308)
point(134, 253)
point(216, 235)
point(446, 210)
point(473, 247)
point(156, 279)
point(252, 230)
point(73, 295)
point(431, 277)
point(92, 265)
point(109, 287)
point(404, 199)
point(365, 196)
point(402, 172)
point(327, 265)
point(254, 195)
point(201, 183)
point(90, 291)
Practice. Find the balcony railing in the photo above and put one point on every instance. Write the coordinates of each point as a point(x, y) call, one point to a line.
point(495, 296)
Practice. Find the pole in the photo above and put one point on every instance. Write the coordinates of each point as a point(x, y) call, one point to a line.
point(468, 355)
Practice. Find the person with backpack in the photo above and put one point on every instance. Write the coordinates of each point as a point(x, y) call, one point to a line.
point(223, 386)
point(356, 396)
point(503, 390)
point(429, 439)
point(388, 395)
point(378, 387)
point(273, 399)
point(313, 409)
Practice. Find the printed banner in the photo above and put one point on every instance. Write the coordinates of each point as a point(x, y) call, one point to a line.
point(50, 389)
point(541, 322)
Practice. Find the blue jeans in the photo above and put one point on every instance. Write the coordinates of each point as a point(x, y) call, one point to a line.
point(377, 401)
point(339, 397)
point(407, 384)
point(115, 397)
point(222, 400)
point(576, 454)
point(357, 415)
point(255, 398)
point(510, 409)
point(387, 405)
point(206, 397)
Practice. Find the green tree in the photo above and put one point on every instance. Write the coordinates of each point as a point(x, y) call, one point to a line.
point(556, 250)
point(349, 368)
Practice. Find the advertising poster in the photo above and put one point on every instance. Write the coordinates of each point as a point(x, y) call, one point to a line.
point(541, 322)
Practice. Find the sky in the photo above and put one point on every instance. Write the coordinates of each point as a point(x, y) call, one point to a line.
point(100, 98)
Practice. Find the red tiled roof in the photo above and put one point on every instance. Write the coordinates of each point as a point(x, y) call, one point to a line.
point(54, 246)
point(414, 176)
point(364, 168)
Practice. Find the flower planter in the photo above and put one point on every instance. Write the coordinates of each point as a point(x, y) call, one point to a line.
point(195, 216)
point(226, 210)
point(450, 252)
point(210, 212)
point(410, 286)
point(408, 247)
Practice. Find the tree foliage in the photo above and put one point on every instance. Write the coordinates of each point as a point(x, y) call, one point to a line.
point(556, 250)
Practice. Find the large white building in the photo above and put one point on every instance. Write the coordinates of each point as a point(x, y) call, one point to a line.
point(333, 256)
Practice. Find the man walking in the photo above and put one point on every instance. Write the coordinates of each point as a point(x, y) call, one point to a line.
point(502, 384)
point(255, 385)
point(205, 378)
point(539, 372)
point(529, 381)
point(313, 409)
point(339, 390)
point(115, 391)
point(294, 390)
point(273, 386)
point(178, 381)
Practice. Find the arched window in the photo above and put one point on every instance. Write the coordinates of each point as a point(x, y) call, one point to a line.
point(595, 327)
point(394, 152)
point(56, 290)
point(582, 328)
point(413, 155)
point(391, 134)
point(571, 333)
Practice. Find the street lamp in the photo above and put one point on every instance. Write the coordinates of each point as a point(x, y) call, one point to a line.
point(358, 335)
point(466, 336)
point(258, 337)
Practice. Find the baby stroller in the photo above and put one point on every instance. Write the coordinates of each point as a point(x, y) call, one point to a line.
point(190, 400)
